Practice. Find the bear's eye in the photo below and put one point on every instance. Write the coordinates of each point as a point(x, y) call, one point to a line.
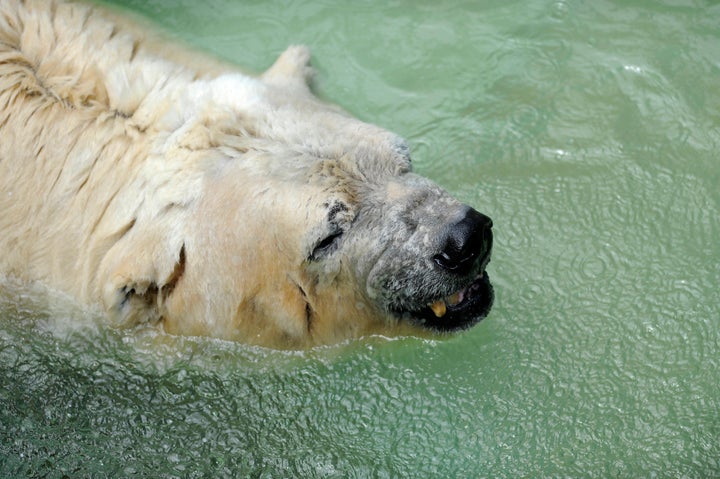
point(325, 245)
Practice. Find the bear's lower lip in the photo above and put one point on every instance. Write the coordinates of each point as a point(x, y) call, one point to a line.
point(459, 311)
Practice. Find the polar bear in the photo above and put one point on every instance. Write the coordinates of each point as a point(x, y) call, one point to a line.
point(166, 188)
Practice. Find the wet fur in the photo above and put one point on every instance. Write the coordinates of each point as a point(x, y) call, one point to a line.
point(172, 189)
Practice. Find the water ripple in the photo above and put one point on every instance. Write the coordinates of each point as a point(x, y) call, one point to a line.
point(587, 130)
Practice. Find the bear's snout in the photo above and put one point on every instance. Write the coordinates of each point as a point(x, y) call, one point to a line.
point(465, 242)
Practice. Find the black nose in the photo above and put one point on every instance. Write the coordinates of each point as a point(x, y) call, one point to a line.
point(467, 240)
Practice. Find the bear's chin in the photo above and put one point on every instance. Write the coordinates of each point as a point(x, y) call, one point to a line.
point(477, 299)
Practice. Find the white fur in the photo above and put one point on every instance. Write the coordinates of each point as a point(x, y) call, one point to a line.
point(170, 188)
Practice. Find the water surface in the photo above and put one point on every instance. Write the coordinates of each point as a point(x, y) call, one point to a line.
point(588, 130)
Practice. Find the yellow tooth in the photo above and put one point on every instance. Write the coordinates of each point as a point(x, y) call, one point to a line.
point(439, 308)
point(454, 299)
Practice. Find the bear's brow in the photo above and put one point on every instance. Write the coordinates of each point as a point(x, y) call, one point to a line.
point(335, 209)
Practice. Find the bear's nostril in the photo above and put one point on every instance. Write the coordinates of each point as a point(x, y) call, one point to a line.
point(467, 240)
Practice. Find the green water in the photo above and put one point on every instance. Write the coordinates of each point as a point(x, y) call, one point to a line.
point(588, 130)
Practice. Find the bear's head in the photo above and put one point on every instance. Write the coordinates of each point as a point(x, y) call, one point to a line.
point(311, 228)
point(333, 248)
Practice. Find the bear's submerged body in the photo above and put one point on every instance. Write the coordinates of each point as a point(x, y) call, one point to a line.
point(181, 192)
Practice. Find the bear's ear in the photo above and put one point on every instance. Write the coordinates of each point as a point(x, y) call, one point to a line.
point(138, 277)
point(291, 68)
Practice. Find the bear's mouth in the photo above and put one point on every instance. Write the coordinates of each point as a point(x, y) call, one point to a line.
point(457, 311)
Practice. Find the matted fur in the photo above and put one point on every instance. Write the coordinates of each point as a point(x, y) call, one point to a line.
point(169, 188)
